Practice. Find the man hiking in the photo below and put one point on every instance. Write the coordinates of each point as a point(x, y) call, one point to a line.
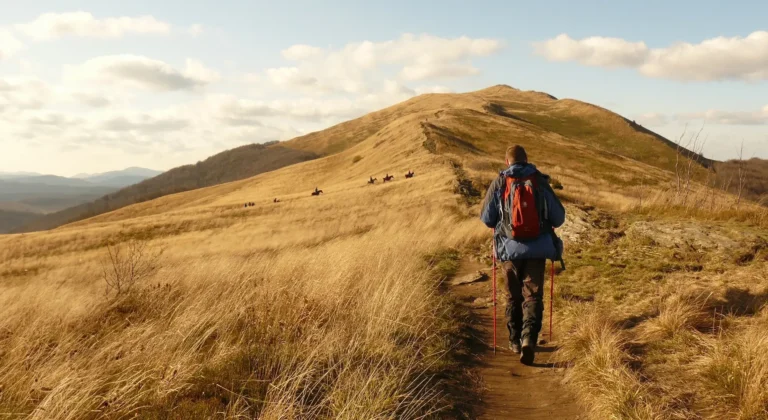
point(523, 210)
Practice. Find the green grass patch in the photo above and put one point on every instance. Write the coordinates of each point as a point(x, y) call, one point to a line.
point(444, 263)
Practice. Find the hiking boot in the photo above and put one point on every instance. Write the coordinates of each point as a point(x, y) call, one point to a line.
point(528, 352)
point(514, 345)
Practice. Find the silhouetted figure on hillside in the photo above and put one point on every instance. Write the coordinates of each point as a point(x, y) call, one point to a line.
point(245, 205)
point(409, 174)
point(275, 200)
point(388, 177)
point(317, 192)
point(372, 180)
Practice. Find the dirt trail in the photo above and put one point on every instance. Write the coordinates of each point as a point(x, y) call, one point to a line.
point(511, 390)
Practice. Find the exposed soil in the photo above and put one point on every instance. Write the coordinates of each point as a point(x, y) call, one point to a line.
point(511, 390)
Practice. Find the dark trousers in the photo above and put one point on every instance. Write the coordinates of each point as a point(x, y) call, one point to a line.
point(525, 308)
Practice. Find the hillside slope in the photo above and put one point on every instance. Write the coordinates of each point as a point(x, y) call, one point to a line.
point(264, 295)
point(315, 306)
point(11, 219)
point(755, 182)
point(489, 119)
point(238, 163)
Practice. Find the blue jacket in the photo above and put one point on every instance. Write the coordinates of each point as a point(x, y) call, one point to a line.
point(547, 245)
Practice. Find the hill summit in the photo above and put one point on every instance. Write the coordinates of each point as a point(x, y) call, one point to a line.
point(476, 125)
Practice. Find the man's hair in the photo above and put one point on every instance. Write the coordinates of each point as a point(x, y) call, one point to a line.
point(516, 154)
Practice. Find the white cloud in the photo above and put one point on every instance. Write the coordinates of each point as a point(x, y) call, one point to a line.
point(144, 73)
point(354, 67)
point(652, 119)
point(84, 24)
point(234, 111)
point(53, 120)
point(240, 112)
point(23, 93)
point(300, 52)
point(92, 99)
point(728, 117)
point(718, 58)
point(145, 124)
point(106, 106)
point(721, 58)
point(392, 87)
point(594, 51)
point(712, 116)
point(196, 30)
point(196, 70)
point(290, 77)
point(9, 45)
point(432, 89)
point(424, 72)
point(319, 109)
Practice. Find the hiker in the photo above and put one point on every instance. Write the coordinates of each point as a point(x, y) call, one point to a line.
point(523, 210)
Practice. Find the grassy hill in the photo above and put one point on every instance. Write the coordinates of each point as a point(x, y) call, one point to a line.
point(331, 306)
point(486, 120)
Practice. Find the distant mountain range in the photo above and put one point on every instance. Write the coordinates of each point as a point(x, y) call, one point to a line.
point(230, 165)
point(26, 196)
point(117, 179)
point(124, 178)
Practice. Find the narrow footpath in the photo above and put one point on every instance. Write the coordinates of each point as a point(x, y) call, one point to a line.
point(511, 390)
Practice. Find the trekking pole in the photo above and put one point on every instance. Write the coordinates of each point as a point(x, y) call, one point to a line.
point(551, 298)
point(493, 251)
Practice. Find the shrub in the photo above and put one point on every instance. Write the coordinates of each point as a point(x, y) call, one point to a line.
point(126, 264)
point(356, 159)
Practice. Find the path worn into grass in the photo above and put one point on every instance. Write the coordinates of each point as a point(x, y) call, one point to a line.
point(511, 390)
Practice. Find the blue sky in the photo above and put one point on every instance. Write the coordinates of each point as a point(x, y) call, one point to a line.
point(89, 86)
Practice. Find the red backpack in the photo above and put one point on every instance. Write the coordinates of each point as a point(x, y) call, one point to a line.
point(521, 207)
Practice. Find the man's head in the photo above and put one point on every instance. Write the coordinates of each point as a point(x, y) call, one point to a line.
point(516, 154)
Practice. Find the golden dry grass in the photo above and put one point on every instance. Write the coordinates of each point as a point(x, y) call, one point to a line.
point(665, 308)
point(315, 307)
point(324, 307)
point(600, 370)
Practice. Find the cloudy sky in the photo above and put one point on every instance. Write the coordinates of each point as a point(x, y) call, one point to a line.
point(90, 86)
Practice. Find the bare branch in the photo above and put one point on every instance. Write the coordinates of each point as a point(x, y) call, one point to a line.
point(127, 264)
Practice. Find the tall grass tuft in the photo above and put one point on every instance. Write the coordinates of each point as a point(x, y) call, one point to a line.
point(600, 373)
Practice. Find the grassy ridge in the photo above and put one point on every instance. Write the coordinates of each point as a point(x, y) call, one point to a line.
point(315, 307)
